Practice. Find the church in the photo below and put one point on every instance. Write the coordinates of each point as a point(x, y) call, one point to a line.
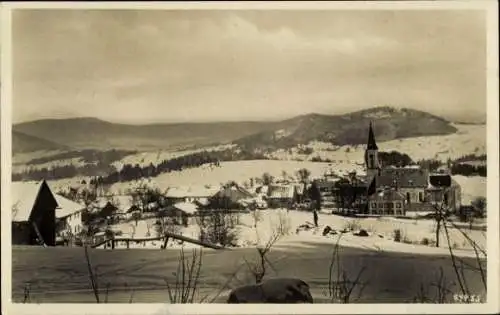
point(395, 190)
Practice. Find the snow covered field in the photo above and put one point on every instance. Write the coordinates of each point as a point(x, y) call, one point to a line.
point(238, 171)
point(381, 233)
point(155, 157)
point(77, 162)
point(470, 139)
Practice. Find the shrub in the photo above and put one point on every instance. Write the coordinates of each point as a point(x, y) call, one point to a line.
point(218, 227)
point(425, 241)
point(352, 225)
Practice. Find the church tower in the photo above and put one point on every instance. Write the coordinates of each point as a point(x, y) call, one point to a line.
point(371, 156)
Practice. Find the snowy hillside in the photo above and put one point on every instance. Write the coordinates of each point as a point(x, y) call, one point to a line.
point(470, 139)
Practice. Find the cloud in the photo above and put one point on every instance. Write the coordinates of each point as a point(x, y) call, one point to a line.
point(202, 65)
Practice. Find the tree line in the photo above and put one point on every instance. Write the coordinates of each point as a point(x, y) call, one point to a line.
point(131, 172)
point(103, 172)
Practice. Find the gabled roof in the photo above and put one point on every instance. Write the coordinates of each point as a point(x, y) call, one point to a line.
point(403, 177)
point(66, 207)
point(24, 195)
point(187, 207)
point(440, 180)
point(124, 202)
point(192, 191)
point(233, 192)
point(281, 191)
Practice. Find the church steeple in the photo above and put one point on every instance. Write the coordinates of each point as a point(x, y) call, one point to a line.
point(372, 145)
point(371, 155)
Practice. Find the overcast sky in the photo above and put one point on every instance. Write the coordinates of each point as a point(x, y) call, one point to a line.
point(162, 66)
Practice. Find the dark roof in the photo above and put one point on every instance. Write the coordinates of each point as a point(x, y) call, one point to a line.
point(403, 177)
point(372, 145)
point(441, 180)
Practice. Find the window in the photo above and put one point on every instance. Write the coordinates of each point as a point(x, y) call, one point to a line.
point(408, 197)
point(398, 205)
point(420, 196)
point(374, 205)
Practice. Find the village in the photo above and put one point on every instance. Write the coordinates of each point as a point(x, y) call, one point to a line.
point(148, 215)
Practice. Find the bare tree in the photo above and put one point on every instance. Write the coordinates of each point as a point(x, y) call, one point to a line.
point(259, 269)
point(340, 286)
point(267, 179)
point(479, 205)
point(187, 278)
point(440, 213)
point(303, 175)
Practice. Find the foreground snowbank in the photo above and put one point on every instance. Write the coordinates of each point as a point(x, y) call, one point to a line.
point(256, 229)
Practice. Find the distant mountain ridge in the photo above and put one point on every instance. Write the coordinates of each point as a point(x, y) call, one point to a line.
point(23, 143)
point(93, 133)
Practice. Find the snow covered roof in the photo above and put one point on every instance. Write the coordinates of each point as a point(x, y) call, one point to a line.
point(23, 198)
point(282, 191)
point(124, 202)
point(186, 207)
point(24, 195)
point(66, 207)
point(193, 191)
point(262, 189)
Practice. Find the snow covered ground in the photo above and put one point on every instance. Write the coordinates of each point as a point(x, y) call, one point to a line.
point(470, 139)
point(381, 233)
point(155, 157)
point(77, 162)
point(238, 171)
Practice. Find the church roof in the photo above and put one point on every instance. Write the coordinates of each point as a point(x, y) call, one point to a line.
point(372, 144)
point(403, 177)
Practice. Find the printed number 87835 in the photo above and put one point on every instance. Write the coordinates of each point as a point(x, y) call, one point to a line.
point(465, 298)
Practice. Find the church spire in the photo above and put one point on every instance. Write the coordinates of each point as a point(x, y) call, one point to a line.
point(372, 145)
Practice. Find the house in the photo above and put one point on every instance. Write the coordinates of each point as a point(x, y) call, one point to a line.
point(230, 197)
point(281, 196)
point(33, 214)
point(328, 190)
point(181, 212)
point(387, 201)
point(444, 190)
point(69, 215)
point(197, 194)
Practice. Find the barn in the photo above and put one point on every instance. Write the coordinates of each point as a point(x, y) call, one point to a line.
point(33, 214)
point(38, 214)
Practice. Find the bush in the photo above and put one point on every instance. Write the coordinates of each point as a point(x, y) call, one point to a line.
point(425, 241)
point(352, 225)
point(306, 151)
point(218, 227)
